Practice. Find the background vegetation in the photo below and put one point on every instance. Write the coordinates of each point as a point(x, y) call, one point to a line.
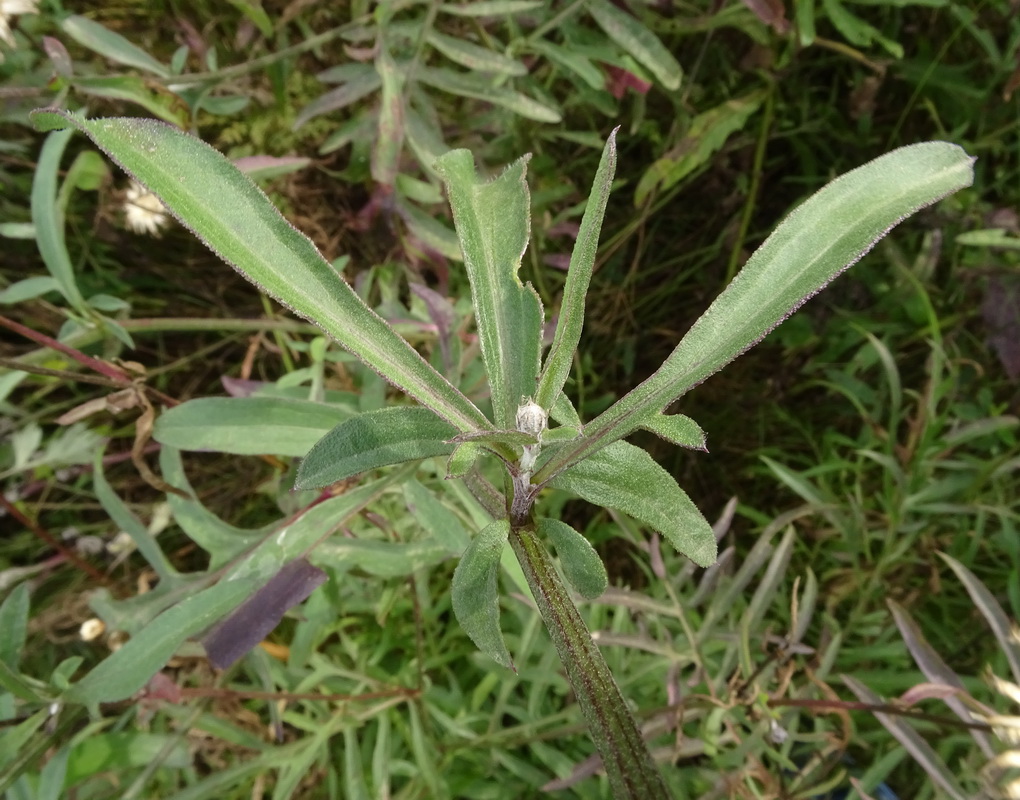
point(873, 431)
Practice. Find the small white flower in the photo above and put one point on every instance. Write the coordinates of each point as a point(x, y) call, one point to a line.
point(143, 211)
point(8, 10)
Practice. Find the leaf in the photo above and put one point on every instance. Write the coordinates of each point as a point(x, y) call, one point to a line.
point(374, 439)
point(473, 56)
point(491, 8)
point(111, 45)
point(475, 591)
point(462, 459)
point(256, 617)
point(48, 219)
point(707, 133)
point(830, 231)
point(625, 477)
point(349, 92)
point(581, 565)
point(582, 262)
point(493, 222)
point(389, 138)
point(238, 222)
point(479, 87)
point(435, 517)
point(631, 35)
point(911, 740)
point(154, 98)
point(129, 668)
point(13, 625)
point(248, 425)
point(991, 611)
point(678, 429)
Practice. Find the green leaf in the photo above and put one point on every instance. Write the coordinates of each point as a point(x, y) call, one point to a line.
point(238, 222)
point(491, 8)
point(830, 231)
point(707, 133)
point(473, 56)
point(479, 87)
point(678, 429)
point(462, 459)
point(125, 519)
point(48, 219)
point(248, 425)
point(129, 668)
point(435, 517)
point(389, 138)
point(374, 439)
point(14, 625)
point(582, 262)
point(475, 591)
point(111, 45)
point(493, 222)
point(625, 477)
point(581, 565)
point(135, 89)
point(631, 35)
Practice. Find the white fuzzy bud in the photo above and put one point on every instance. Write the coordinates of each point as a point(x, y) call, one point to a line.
point(531, 417)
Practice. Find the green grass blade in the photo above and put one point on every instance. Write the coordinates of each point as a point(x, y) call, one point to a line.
point(637, 40)
point(493, 222)
point(582, 261)
point(239, 223)
point(48, 219)
point(830, 231)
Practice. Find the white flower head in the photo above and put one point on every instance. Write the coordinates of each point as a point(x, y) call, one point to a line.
point(143, 211)
point(8, 10)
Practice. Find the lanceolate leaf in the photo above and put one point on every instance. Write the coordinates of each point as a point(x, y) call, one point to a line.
point(826, 234)
point(237, 221)
point(248, 425)
point(582, 261)
point(637, 40)
point(678, 429)
point(625, 477)
point(493, 223)
point(128, 669)
point(475, 591)
point(374, 439)
point(581, 565)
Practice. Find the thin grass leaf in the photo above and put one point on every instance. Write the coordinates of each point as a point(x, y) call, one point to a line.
point(111, 45)
point(48, 219)
point(992, 612)
point(911, 740)
point(238, 222)
point(632, 35)
point(475, 57)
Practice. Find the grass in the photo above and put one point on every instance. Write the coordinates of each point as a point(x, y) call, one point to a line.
point(877, 423)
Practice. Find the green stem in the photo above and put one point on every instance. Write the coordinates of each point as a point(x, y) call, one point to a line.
point(625, 756)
